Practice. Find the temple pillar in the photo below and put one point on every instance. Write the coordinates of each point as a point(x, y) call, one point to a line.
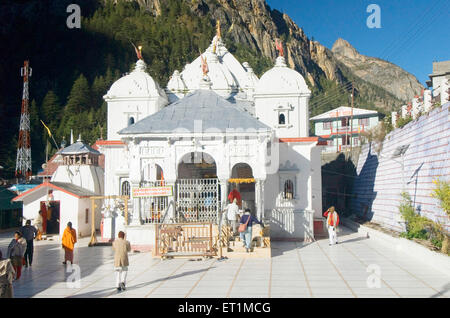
point(259, 198)
point(136, 209)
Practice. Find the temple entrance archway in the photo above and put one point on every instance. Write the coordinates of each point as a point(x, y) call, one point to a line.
point(243, 183)
point(197, 188)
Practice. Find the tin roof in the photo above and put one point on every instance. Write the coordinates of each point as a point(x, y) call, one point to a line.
point(215, 113)
point(68, 188)
point(78, 148)
point(344, 111)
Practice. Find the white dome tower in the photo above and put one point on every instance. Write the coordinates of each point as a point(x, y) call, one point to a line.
point(132, 98)
point(281, 101)
point(176, 88)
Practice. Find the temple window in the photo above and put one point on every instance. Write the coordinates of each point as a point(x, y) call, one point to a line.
point(125, 188)
point(130, 121)
point(281, 119)
point(288, 192)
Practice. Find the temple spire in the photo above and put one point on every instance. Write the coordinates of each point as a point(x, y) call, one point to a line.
point(218, 31)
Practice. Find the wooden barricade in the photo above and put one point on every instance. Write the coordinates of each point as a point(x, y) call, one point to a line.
point(184, 239)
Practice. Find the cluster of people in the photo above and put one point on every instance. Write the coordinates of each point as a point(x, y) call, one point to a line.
point(246, 222)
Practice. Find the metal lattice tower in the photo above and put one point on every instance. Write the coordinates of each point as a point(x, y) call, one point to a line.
point(23, 161)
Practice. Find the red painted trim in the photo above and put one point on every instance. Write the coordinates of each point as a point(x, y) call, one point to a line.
point(299, 139)
point(46, 184)
point(108, 143)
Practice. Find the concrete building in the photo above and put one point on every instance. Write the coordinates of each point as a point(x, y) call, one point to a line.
point(339, 131)
point(66, 197)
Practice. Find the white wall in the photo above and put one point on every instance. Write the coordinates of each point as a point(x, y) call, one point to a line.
point(121, 109)
point(268, 107)
point(71, 209)
point(85, 176)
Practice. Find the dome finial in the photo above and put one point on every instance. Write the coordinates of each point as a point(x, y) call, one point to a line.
point(138, 51)
point(279, 47)
point(205, 68)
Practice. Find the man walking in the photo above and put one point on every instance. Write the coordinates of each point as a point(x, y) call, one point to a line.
point(332, 224)
point(68, 243)
point(232, 213)
point(29, 233)
point(121, 247)
point(245, 228)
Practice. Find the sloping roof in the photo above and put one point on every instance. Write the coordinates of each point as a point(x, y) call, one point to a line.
point(5, 200)
point(68, 188)
point(214, 111)
point(344, 111)
point(78, 148)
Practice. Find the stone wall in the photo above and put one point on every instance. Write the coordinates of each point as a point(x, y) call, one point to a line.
point(380, 178)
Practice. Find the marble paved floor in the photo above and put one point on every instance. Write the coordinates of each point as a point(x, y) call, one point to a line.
point(356, 267)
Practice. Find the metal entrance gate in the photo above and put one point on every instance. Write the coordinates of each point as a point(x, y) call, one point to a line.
point(198, 200)
point(153, 208)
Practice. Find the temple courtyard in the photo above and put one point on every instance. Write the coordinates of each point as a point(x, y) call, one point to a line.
point(356, 267)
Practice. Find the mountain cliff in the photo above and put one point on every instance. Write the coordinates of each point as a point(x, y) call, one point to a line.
point(253, 24)
point(378, 72)
point(73, 68)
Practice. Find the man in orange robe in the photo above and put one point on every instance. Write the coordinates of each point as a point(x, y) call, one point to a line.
point(332, 224)
point(68, 243)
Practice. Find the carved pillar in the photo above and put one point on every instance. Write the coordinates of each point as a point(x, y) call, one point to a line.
point(223, 197)
point(136, 214)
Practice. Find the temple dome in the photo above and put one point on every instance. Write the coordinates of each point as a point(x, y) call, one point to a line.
point(281, 80)
point(137, 84)
point(223, 81)
point(176, 83)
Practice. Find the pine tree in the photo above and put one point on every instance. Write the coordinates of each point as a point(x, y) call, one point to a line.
point(51, 109)
point(79, 96)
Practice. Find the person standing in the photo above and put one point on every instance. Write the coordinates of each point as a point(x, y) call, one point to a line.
point(7, 273)
point(29, 232)
point(332, 224)
point(16, 252)
point(39, 224)
point(121, 247)
point(246, 222)
point(69, 239)
point(232, 213)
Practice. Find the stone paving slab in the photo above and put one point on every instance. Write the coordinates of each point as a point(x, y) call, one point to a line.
point(296, 269)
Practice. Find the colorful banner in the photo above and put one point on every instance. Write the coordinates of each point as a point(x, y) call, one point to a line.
point(152, 192)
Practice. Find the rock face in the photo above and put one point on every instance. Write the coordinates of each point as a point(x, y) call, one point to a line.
point(386, 75)
point(254, 24)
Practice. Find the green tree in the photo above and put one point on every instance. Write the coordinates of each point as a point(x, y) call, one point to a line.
point(51, 109)
point(79, 96)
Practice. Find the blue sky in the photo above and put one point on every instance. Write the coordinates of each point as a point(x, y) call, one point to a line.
point(413, 33)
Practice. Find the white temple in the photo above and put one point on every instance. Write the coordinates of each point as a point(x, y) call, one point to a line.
point(179, 152)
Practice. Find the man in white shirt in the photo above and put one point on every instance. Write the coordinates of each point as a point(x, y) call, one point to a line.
point(232, 213)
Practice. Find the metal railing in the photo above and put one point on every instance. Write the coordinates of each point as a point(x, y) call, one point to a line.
point(153, 209)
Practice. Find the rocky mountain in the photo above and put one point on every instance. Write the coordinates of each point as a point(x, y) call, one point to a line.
point(378, 72)
point(254, 24)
